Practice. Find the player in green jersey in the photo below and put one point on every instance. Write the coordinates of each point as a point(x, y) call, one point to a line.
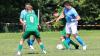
point(31, 28)
point(23, 13)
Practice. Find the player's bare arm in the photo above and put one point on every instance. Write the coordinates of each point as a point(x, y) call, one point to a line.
point(22, 22)
point(51, 21)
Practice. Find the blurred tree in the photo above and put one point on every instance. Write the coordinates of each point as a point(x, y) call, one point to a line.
point(90, 11)
point(10, 9)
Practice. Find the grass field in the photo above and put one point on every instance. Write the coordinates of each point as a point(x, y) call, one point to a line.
point(9, 42)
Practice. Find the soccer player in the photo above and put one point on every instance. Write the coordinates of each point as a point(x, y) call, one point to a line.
point(31, 28)
point(72, 19)
point(22, 19)
point(63, 32)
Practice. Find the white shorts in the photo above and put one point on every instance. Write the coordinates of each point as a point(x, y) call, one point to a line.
point(71, 28)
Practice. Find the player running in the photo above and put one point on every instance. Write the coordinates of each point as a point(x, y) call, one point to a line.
point(72, 19)
point(22, 19)
point(31, 28)
point(63, 32)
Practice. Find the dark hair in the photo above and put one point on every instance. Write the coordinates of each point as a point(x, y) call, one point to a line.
point(55, 11)
point(27, 3)
point(67, 3)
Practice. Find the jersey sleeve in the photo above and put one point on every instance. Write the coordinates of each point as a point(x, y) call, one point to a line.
point(75, 13)
point(21, 15)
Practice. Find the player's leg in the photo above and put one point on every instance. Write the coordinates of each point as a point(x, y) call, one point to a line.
point(68, 32)
point(63, 39)
point(75, 45)
point(64, 42)
point(68, 38)
point(76, 36)
point(63, 33)
point(37, 35)
point(41, 45)
point(20, 46)
point(71, 42)
point(30, 42)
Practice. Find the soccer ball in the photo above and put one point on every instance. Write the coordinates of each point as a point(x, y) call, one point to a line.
point(60, 46)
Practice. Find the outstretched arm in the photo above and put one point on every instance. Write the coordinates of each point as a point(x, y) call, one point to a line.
point(51, 21)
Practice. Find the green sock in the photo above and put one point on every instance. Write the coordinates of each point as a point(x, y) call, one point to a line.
point(42, 46)
point(65, 44)
point(20, 47)
point(73, 43)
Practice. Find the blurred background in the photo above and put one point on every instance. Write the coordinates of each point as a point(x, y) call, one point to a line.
point(89, 10)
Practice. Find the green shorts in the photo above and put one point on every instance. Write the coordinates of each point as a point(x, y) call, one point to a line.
point(28, 33)
point(63, 32)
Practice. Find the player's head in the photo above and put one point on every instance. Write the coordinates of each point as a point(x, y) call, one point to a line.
point(28, 6)
point(67, 4)
point(55, 13)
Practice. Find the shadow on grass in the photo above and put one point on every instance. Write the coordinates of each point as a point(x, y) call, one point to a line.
point(34, 53)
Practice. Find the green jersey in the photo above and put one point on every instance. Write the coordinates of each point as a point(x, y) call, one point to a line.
point(31, 21)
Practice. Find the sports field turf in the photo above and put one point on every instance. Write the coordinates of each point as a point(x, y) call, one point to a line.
point(9, 42)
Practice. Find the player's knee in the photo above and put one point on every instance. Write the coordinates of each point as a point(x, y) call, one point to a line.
point(21, 41)
point(38, 40)
point(75, 35)
point(68, 35)
point(62, 37)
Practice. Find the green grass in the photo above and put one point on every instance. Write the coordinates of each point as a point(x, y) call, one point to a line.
point(9, 42)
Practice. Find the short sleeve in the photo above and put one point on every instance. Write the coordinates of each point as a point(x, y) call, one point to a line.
point(21, 15)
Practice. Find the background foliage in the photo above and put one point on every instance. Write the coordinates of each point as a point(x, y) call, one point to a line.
point(89, 10)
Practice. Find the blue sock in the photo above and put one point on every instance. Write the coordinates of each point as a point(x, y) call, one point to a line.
point(80, 40)
point(30, 42)
point(68, 40)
